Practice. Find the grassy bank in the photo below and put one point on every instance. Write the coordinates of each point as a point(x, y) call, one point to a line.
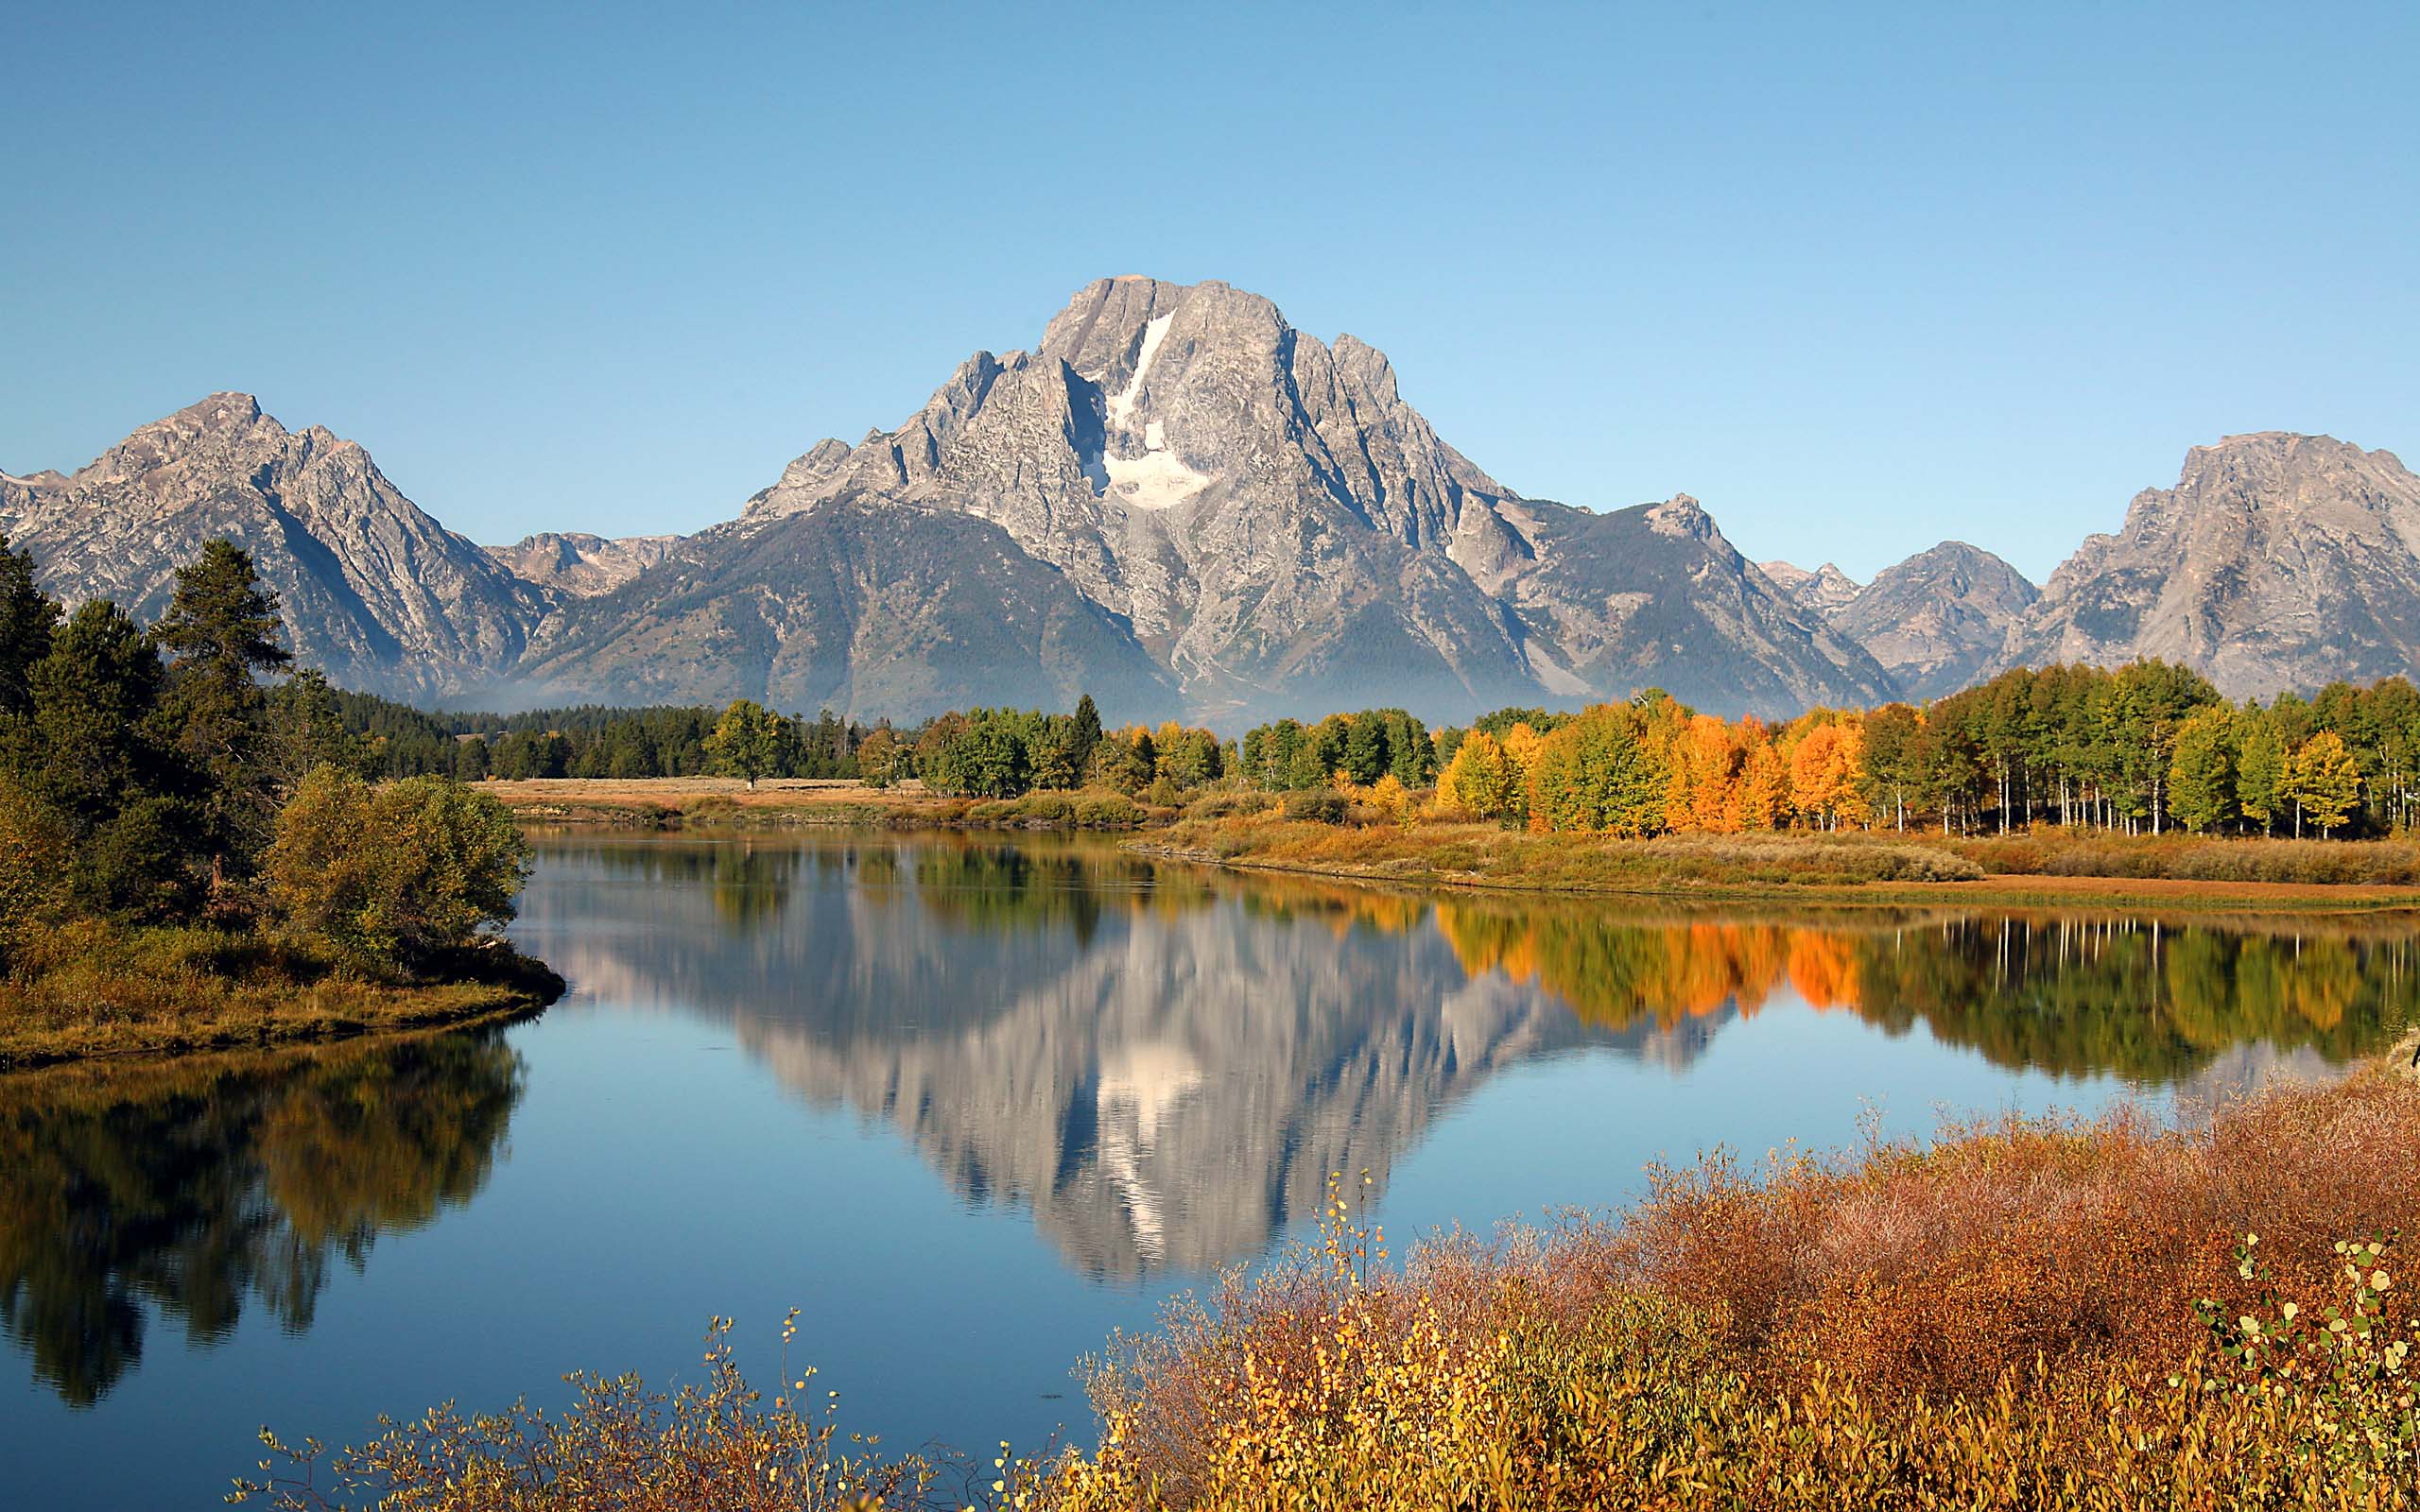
point(727, 803)
point(91, 990)
point(2179, 872)
point(2020, 1314)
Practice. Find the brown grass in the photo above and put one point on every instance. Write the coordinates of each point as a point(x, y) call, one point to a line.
point(2059, 1261)
point(2178, 871)
point(726, 802)
point(88, 989)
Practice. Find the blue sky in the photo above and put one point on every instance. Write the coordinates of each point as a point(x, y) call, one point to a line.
point(1857, 278)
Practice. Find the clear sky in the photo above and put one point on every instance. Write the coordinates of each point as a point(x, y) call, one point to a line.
point(1858, 279)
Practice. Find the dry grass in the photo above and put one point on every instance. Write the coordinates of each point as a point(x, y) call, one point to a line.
point(90, 990)
point(2168, 872)
point(2006, 1318)
point(725, 803)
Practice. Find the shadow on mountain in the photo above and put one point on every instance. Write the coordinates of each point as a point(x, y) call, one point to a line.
point(189, 1190)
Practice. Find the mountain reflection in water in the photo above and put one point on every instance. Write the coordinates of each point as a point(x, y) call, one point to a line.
point(1164, 1064)
point(189, 1189)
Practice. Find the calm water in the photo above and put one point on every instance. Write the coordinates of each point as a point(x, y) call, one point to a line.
point(972, 1106)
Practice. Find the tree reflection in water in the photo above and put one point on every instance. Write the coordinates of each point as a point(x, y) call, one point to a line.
point(185, 1189)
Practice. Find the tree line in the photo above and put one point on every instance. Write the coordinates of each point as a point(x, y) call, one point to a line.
point(2141, 749)
point(185, 774)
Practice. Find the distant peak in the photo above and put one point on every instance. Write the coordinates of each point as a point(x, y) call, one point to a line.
point(231, 410)
point(1682, 515)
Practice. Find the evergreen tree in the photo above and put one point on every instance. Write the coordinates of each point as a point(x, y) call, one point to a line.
point(307, 729)
point(95, 756)
point(221, 630)
point(28, 619)
point(1086, 734)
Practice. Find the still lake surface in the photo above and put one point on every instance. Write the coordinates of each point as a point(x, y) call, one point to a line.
point(973, 1104)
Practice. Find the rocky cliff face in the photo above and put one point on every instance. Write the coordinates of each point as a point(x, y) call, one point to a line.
point(374, 590)
point(867, 609)
point(1936, 619)
point(2277, 562)
point(579, 565)
point(1827, 590)
point(1286, 535)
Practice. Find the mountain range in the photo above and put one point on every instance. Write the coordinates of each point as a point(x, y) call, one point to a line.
point(1181, 504)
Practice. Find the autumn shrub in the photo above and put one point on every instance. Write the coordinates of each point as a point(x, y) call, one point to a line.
point(1547, 1370)
point(715, 1445)
point(33, 865)
point(399, 874)
point(1321, 806)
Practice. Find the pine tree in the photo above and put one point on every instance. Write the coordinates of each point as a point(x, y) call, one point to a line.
point(28, 619)
point(96, 758)
point(221, 630)
point(1087, 734)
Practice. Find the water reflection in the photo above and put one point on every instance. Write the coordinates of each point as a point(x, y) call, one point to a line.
point(1162, 1064)
point(186, 1189)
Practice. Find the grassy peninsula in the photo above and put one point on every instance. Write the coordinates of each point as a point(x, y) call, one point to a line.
point(191, 858)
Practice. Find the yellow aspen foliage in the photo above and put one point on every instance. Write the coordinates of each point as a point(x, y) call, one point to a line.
point(1701, 794)
point(1826, 774)
point(1483, 780)
point(1760, 799)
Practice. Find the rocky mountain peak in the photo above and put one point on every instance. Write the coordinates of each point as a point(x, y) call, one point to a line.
point(1933, 621)
point(376, 591)
point(2278, 560)
point(1827, 590)
point(1267, 516)
point(1682, 515)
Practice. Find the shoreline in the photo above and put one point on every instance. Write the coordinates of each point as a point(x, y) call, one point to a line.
point(257, 1014)
point(2001, 890)
point(1419, 857)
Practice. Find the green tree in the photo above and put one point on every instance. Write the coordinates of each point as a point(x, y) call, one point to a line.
point(402, 874)
point(307, 729)
point(28, 618)
point(1086, 734)
point(93, 753)
point(33, 864)
point(2260, 768)
point(2201, 774)
point(1600, 773)
point(746, 742)
point(221, 633)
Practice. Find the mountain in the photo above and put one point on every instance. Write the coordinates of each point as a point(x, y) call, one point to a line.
point(1936, 619)
point(374, 590)
point(1826, 590)
point(581, 565)
point(2277, 562)
point(1284, 534)
point(863, 609)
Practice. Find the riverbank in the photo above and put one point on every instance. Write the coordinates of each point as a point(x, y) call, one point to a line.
point(728, 803)
point(2054, 1314)
point(89, 991)
point(2022, 871)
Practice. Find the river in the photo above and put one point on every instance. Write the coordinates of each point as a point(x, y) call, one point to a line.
point(974, 1103)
